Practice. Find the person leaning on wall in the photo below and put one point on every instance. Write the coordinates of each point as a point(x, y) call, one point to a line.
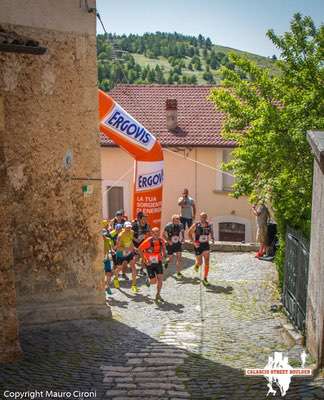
point(262, 215)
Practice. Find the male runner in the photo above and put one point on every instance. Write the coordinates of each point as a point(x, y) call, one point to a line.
point(113, 234)
point(118, 219)
point(141, 231)
point(108, 246)
point(199, 234)
point(126, 253)
point(153, 251)
point(174, 236)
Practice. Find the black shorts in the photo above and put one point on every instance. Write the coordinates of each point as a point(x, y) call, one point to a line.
point(202, 247)
point(128, 258)
point(186, 222)
point(154, 269)
point(173, 248)
point(114, 259)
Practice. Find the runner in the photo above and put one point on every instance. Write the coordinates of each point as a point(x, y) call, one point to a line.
point(152, 250)
point(113, 235)
point(141, 231)
point(108, 247)
point(199, 234)
point(174, 235)
point(126, 253)
point(119, 219)
point(108, 270)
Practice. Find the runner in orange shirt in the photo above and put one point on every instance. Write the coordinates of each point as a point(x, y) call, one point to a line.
point(152, 250)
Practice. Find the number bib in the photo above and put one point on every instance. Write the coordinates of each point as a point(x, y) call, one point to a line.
point(175, 239)
point(154, 259)
point(203, 238)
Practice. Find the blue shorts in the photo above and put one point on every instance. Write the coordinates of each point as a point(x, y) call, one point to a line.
point(107, 265)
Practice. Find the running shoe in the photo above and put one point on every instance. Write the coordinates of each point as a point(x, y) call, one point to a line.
point(134, 289)
point(108, 291)
point(124, 276)
point(179, 275)
point(196, 268)
point(116, 283)
point(158, 299)
point(205, 282)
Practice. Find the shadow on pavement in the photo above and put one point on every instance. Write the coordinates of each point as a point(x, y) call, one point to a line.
point(219, 289)
point(166, 306)
point(67, 356)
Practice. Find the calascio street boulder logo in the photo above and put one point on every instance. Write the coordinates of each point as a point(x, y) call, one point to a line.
point(278, 373)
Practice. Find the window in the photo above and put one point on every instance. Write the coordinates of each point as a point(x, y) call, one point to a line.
point(115, 200)
point(231, 232)
point(228, 180)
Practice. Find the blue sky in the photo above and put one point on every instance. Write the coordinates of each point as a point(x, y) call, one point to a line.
point(240, 24)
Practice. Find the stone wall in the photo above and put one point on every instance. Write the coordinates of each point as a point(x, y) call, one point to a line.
point(315, 292)
point(50, 109)
point(9, 344)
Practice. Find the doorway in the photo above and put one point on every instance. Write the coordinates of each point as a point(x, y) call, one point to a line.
point(115, 200)
point(231, 232)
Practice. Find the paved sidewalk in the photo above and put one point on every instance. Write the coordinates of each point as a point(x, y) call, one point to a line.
point(195, 345)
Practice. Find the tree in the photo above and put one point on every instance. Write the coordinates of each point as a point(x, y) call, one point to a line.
point(274, 57)
point(208, 43)
point(192, 80)
point(145, 72)
point(205, 53)
point(268, 117)
point(151, 76)
point(214, 61)
point(170, 79)
point(159, 74)
point(208, 76)
point(201, 40)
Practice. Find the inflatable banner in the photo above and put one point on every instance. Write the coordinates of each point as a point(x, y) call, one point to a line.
point(131, 136)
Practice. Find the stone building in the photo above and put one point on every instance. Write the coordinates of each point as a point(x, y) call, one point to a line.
point(50, 258)
point(193, 150)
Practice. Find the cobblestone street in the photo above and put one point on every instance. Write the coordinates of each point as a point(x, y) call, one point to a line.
point(195, 345)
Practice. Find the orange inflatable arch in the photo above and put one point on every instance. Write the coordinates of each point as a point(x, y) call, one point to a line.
point(142, 145)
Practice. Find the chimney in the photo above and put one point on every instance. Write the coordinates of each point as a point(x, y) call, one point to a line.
point(171, 108)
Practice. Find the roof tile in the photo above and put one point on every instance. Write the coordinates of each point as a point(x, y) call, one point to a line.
point(199, 122)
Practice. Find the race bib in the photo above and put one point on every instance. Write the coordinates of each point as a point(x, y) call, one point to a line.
point(175, 239)
point(203, 238)
point(154, 259)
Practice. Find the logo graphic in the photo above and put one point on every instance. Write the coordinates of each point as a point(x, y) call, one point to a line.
point(149, 175)
point(122, 123)
point(150, 181)
point(278, 372)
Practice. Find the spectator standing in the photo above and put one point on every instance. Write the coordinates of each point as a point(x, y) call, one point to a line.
point(188, 209)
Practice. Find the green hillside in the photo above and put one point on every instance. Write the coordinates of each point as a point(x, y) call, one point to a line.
point(165, 58)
